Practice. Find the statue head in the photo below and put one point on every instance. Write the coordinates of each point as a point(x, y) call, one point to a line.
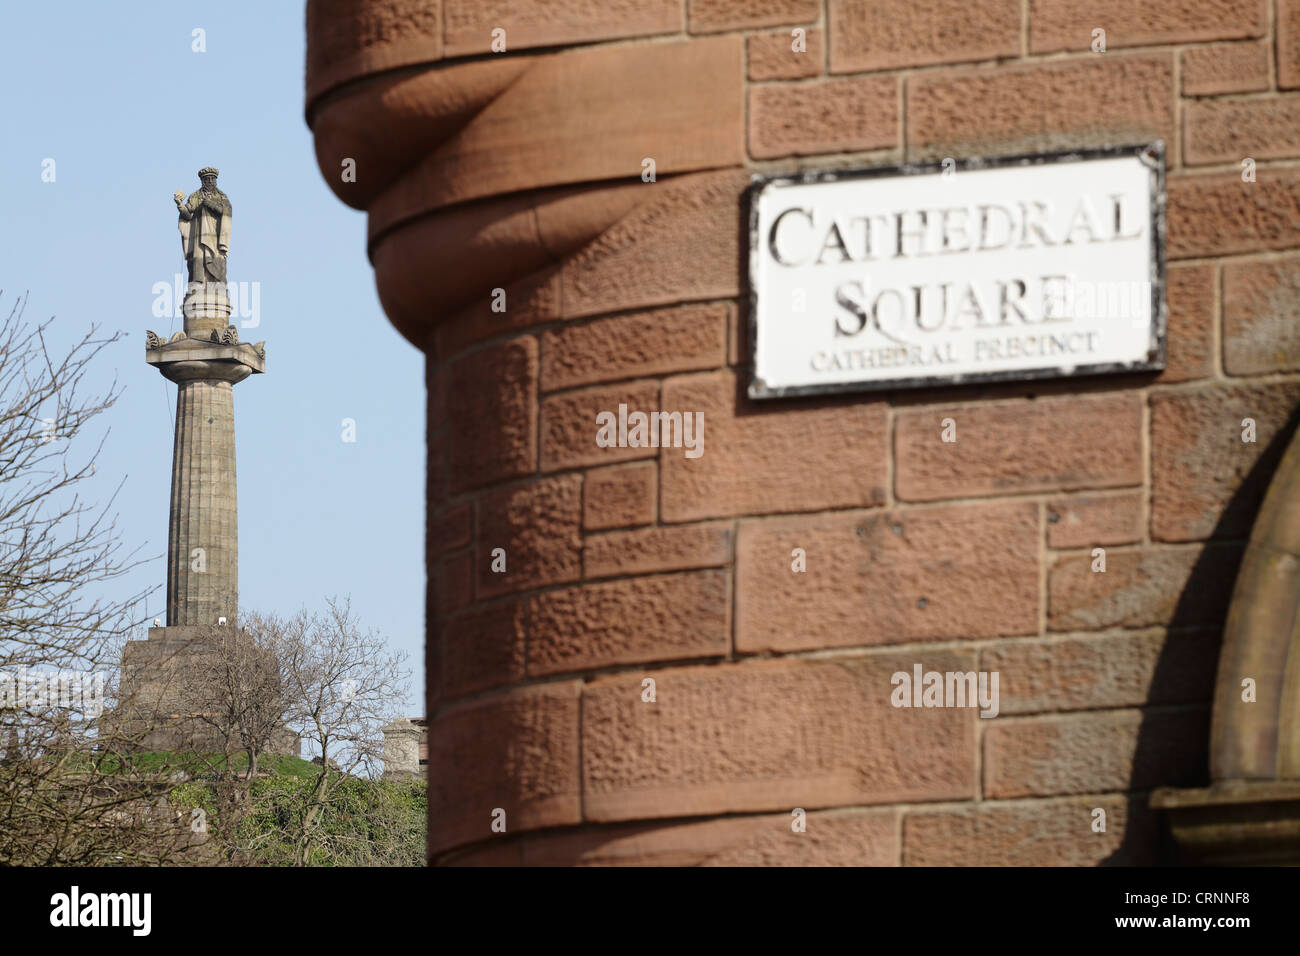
point(208, 177)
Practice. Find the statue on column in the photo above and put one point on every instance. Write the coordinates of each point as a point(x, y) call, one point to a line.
point(204, 225)
point(205, 229)
point(204, 220)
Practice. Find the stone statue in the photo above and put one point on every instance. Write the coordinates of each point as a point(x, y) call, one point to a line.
point(205, 230)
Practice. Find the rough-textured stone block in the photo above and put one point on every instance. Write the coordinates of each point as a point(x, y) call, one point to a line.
point(1088, 753)
point(1206, 481)
point(1094, 101)
point(350, 38)
point(760, 458)
point(620, 496)
point(833, 838)
point(771, 735)
point(667, 617)
point(1218, 214)
point(1033, 833)
point(832, 116)
point(739, 348)
point(1054, 444)
point(1063, 25)
point(893, 577)
point(1288, 44)
point(1225, 131)
point(455, 583)
point(710, 16)
point(534, 23)
point(1189, 342)
point(492, 410)
point(517, 751)
point(450, 529)
point(1179, 587)
point(569, 424)
point(1125, 669)
point(682, 243)
point(771, 56)
point(1261, 317)
point(1224, 68)
point(635, 346)
point(1086, 521)
point(538, 526)
point(435, 469)
point(649, 550)
point(482, 648)
point(887, 34)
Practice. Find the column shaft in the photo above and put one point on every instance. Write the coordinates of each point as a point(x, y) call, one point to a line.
point(203, 534)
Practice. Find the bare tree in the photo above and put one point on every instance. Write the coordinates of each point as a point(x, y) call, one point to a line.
point(74, 785)
point(311, 678)
point(231, 685)
point(68, 791)
point(343, 685)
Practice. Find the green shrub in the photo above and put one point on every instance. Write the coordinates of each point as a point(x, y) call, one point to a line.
point(363, 822)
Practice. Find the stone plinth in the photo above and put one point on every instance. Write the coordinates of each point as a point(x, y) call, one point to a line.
point(206, 309)
point(172, 691)
point(404, 746)
point(203, 532)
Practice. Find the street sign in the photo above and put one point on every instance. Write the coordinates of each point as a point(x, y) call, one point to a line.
point(958, 271)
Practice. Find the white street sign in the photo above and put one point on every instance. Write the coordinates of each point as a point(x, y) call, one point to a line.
point(1032, 267)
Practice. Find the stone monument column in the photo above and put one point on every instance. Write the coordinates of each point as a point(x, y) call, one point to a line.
point(205, 361)
point(166, 704)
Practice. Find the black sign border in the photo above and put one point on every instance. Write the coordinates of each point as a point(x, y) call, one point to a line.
point(1151, 154)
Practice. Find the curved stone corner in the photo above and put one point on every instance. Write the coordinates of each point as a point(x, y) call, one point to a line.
point(477, 175)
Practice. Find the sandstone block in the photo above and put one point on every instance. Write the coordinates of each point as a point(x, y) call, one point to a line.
point(492, 407)
point(887, 34)
point(1087, 753)
point(1205, 480)
point(760, 458)
point(620, 496)
point(1019, 446)
point(891, 577)
point(832, 116)
point(1086, 521)
point(538, 526)
point(771, 736)
point(1093, 101)
point(516, 751)
point(665, 617)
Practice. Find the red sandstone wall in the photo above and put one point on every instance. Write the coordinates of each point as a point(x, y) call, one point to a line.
point(522, 170)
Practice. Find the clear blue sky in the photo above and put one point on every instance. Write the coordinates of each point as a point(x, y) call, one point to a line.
point(114, 94)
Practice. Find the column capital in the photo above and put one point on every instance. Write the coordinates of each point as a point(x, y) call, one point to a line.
point(185, 359)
